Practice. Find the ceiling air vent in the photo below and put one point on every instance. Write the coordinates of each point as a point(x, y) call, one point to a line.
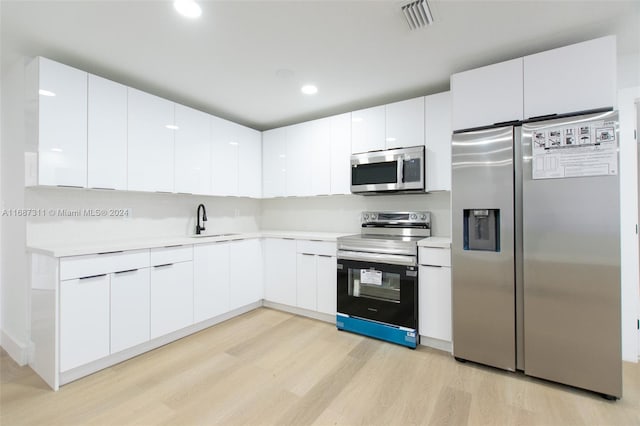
point(418, 14)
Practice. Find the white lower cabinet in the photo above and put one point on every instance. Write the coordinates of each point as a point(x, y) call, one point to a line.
point(171, 297)
point(129, 308)
point(306, 278)
point(84, 320)
point(326, 282)
point(434, 294)
point(280, 271)
point(210, 280)
point(245, 272)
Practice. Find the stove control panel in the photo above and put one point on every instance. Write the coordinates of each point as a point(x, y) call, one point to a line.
point(396, 218)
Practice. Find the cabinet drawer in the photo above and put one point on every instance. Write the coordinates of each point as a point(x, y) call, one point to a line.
point(166, 255)
point(96, 264)
point(434, 256)
point(326, 248)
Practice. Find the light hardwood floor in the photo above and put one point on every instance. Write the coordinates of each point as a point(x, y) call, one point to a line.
point(274, 368)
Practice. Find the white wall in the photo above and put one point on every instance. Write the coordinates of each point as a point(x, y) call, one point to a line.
point(152, 215)
point(628, 221)
point(13, 264)
point(341, 213)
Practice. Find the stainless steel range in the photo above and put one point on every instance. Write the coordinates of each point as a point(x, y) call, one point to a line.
point(378, 276)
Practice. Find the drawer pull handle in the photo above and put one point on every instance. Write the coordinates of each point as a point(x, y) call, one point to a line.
point(163, 265)
point(307, 254)
point(111, 252)
point(431, 266)
point(92, 276)
point(128, 270)
point(175, 245)
point(324, 255)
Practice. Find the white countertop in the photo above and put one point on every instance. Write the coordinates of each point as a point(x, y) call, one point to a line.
point(435, 242)
point(62, 248)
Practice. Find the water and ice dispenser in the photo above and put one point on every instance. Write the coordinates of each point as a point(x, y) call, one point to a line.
point(482, 229)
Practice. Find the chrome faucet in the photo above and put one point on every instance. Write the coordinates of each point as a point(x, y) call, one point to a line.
point(204, 219)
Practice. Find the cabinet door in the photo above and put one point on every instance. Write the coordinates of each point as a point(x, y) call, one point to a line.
point(487, 95)
point(299, 160)
point(435, 302)
point(107, 134)
point(321, 157)
point(192, 151)
point(274, 147)
point(326, 283)
point(438, 141)
point(250, 163)
point(572, 78)
point(171, 298)
point(84, 321)
point(405, 123)
point(210, 280)
point(368, 129)
point(341, 154)
point(150, 142)
point(224, 157)
point(129, 308)
point(62, 124)
point(306, 281)
point(280, 271)
point(245, 271)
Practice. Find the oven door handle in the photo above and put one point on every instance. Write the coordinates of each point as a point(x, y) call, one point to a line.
point(394, 259)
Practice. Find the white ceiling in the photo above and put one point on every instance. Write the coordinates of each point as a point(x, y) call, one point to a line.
point(359, 53)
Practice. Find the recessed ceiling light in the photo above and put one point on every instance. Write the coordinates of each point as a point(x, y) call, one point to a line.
point(187, 8)
point(172, 127)
point(46, 92)
point(309, 89)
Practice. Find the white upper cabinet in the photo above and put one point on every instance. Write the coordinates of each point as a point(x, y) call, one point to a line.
point(320, 156)
point(569, 79)
point(192, 151)
point(437, 118)
point(274, 164)
point(341, 154)
point(58, 107)
point(405, 123)
point(487, 95)
point(224, 157)
point(249, 162)
point(298, 175)
point(107, 134)
point(150, 142)
point(368, 129)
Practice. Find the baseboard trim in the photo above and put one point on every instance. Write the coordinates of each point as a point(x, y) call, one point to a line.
point(442, 345)
point(300, 311)
point(18, 351)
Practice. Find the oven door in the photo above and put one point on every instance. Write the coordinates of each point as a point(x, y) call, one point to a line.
point(379, 291)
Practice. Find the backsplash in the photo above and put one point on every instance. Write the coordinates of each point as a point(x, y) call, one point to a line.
point(152, 214)
point(341, 213)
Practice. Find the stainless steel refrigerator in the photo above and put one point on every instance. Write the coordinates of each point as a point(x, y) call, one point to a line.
point(536, 249)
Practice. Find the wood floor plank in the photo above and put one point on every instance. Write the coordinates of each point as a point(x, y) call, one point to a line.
point(273, 368)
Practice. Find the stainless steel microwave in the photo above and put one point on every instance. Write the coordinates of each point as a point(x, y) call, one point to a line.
point(393, 170)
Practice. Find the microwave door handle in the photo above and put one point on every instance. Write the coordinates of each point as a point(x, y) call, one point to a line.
point(400, 170)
